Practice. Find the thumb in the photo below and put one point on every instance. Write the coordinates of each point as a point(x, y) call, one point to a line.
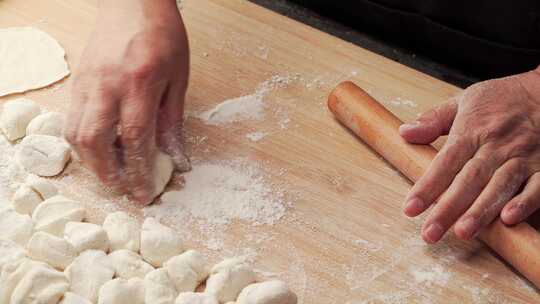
point(430, 125)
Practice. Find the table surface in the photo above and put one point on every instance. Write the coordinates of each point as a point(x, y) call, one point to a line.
point(343, 238)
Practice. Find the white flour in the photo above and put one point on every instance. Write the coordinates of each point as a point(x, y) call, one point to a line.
point(436, 275)
point(256, 136)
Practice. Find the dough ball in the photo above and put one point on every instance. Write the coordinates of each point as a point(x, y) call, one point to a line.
point(88, 272)
point(85, 236)
point(121, 291)
point(50, 123)
point(15, 227)
point(12, 274)
point(25, 200)
point(187, 270)
point(43, 187)
point(228, 278)
point(43, 155)
point(10, 252)
point(52, 215)
point(270, 292)
point(41, 285)
point(196, 298)
point(52, 250)
point(124, 231)
point(15, 117)
point(71, 298)
point(164, 168)
point(159, 243)
point(159, 288)
point(128, 264)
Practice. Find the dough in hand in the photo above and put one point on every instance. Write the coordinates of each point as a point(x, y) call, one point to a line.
point(269, 292)
point(41, 285)
point(122, 291)
point(228, 278)
point(187, 270)
point(88, 272)
point(10, 252)
point(52, 215)
point(159, 243)
point(50, 123)
point(124, 231)
point(163, 169)
point(128, 264)
point(72, 298)
point(15, 227)
point(196, 298)
point(159, 289)
point(86, 236)
point(42, 186)
point(52, 250)
point(16, 115)
point(43, 155)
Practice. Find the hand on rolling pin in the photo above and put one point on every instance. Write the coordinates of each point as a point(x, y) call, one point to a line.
point(490, 164)
point(128, 93)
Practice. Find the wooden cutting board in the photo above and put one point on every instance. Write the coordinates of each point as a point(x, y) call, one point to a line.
point(344, 238)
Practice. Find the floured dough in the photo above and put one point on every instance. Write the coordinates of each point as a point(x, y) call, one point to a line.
point(187, 270)
point(10, 252)
point(85, 236)
point(41, 285)
point(196, 298)
point(159, 243)
point(164, 168)
point(25, 200)
point(86, 281)
point(159, 288)
point(50, 123)
point(43, 155)
point(123, 230)
point(270, 292)
point(52, 215)
point(128, 264)
point(43, 187)
point(15, 227)
point(228, 278)
point(31, 59)
point(52, 250)
point(122, 291)
point(72, 298)
point(16, 114)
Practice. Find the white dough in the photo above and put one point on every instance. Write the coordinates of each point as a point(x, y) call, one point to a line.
point(128, 264)
point(52, 215)
point(25, 200)
point(72, 298)
point(43, 155)
point(159, 289)
point(228, 278)
point(86, 280)
point(164, 168)
point(41, 285)
point(121, 291)
point(16, 115)
point(15, 227)
point(187, 270)
point(10, 252)
point(43, 187)
point(159, 243)
point(31, 59)
point(123, 230)
point(269, 292)
point(12, 274)
point(51, 249)
point(50, 123)
point(85, 236)
point(196, 298)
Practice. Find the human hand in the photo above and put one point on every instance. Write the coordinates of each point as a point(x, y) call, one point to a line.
point(128, 94)
point(490, 164)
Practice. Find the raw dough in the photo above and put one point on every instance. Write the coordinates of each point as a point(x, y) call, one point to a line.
point(128, 264)
point(85, 236)
point(187, 270)
point(50, 123)
point(52, 215)
point(195, 298)
point(164, 168)
point(31, 59)
point(16, 115)
point(12, 274)
point(25, 200)
point(85, 280)
point(159, 243)
point(270, 292)
point(43, 155)
point(228, 278)
point(159, 289)
point(43, 187)
point(123, 230)
point(41, 285)
point(10, 252)
point(71, 298)
point(121, 291)
point(15, 227)
point(52, 250)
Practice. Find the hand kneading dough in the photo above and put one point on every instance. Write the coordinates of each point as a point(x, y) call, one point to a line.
point(123, 230)
point(71, 298)
point(43, 155)
point(15, 227)
point(50, 123)
point(43, 187)
point(52, 250)
point(158, 287)
point(52, 215)
point(128, 264)
point(270, 292)
point(195, 298)
point(41, 285)
point(15, 117)
point(85, 236)
point(121, 291)
point(187, 270)
point(10, 252)
point(25, 200)
point(228, 278)
point(88, 272)
point(159, 243)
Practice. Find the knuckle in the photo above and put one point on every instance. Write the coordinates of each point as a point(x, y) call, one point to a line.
point(89, 139)
point(134, 134)
point(475, 169)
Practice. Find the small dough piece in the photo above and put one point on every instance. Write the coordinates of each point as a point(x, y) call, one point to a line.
point(159, 243)
point(196, 298)
point(228, 278)
point(88, 272)
point(41, 285)
point(43, 155)
point(72, 298)
point(187, 270)
point(128, 264)
point(52, 250)
point(25, 200)
point(85, 236)
point(12, 274)
point(50, 123)
point(15, 117)
point(159, 288)
point(270, 292)
point(164, 168)
point(122, 291)
point(10, 252)
point(43, 187)
point(52, 215)
point(15, 227)
point(124, 231)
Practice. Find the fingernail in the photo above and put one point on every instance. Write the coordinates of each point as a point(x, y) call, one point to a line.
point(469, 226)
point(433, 233)
point(414, 205)
point(408, 126)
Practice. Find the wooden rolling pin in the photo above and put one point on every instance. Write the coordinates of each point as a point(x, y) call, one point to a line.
point(518, 245)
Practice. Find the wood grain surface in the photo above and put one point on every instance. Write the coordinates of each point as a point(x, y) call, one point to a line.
point(344, 238)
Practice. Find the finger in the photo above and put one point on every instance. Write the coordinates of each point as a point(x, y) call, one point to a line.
point(504, 184)
point(440, 174)
point(524, 204)
point(76, 110)
point(430, 125)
